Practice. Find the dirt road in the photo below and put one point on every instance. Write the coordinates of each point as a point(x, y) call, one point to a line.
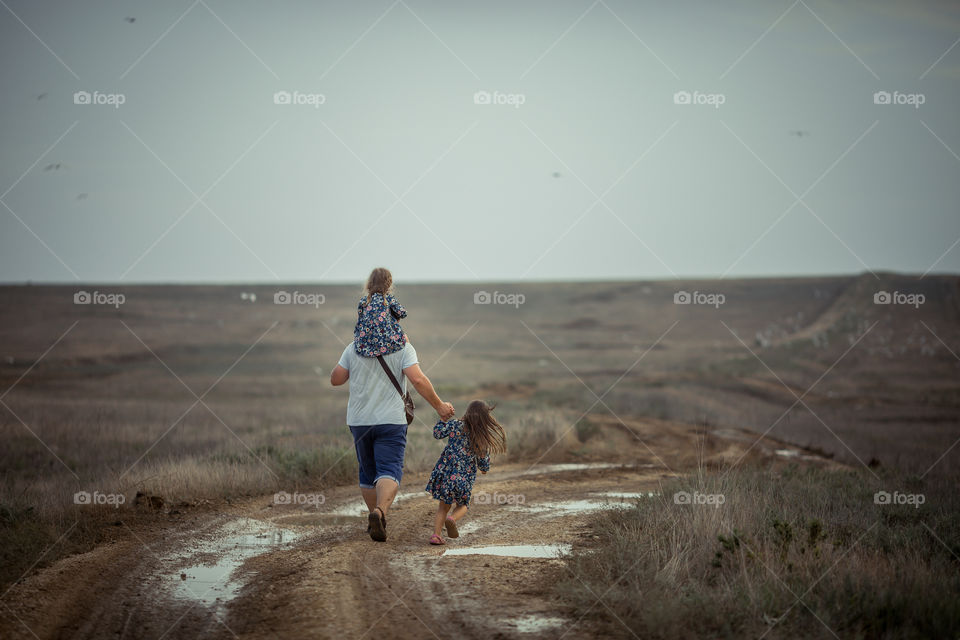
point(258, 569)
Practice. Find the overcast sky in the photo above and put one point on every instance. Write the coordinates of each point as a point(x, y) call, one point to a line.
point(582, 165)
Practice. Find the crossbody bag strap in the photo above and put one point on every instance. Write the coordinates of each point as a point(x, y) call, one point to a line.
point(392, 377)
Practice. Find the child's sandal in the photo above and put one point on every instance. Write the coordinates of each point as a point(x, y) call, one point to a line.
point(435, 539)
point(452, 530)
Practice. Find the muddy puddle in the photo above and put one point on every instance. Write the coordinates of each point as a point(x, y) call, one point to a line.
point(513, 551)
point(568, 466)
point(628, 495)
point(320, 519)
point(359, 508)
point(790, 453)
point(206, 574)
point(596, 501)
point(536, 623)
point(604, 500)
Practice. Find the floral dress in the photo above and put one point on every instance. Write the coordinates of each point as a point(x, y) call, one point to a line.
point(453, 475)
point(377, 332)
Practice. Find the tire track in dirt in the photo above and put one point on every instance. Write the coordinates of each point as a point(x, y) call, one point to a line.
point(411, 589)
point(334, 582)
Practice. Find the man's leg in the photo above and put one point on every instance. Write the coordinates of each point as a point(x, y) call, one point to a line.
point(363, 442)
point(369, 497)
point(384, 494)
point(389, 447)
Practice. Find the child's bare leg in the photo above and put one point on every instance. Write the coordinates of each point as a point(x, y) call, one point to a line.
point(442, 510)
point(459, 512)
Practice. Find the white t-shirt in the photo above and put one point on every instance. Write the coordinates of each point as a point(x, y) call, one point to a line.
point(373, 398)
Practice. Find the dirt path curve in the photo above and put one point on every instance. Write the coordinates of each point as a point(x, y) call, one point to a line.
point(414, 590)
point(255, 569)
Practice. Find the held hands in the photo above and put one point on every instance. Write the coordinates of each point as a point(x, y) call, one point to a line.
point(445, 411)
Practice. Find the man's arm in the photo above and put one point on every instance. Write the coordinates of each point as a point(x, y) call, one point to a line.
point(424, 387)
point(339, 376)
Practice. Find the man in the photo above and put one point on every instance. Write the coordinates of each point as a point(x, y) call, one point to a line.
point(378, 423)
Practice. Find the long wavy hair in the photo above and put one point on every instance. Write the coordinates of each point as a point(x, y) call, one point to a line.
point(380, 281)
point(486, 435)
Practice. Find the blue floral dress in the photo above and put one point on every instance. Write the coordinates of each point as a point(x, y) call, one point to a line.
point(377, 332)
point(453, 475)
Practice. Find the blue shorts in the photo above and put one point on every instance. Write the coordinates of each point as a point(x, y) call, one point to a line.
point(380, 450)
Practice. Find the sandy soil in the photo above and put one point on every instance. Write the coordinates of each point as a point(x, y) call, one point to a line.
point(295, 571)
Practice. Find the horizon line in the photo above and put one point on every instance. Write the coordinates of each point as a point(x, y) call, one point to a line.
point(359, 281)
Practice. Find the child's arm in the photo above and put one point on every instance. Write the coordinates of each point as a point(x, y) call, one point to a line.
point(442, 429)
point(396, 308)
point(483, 463)
point(361, 305)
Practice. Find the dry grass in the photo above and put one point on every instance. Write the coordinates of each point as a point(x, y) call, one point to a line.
point(788, 555)
point(203, 462)
point(107, 408)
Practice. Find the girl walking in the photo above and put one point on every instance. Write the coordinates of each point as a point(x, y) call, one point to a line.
point(472, 439)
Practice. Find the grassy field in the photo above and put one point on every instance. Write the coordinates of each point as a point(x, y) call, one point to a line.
point(803, 553)
point(194, 393)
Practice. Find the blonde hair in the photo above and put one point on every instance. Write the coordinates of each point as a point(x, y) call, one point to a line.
point(380, 281)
